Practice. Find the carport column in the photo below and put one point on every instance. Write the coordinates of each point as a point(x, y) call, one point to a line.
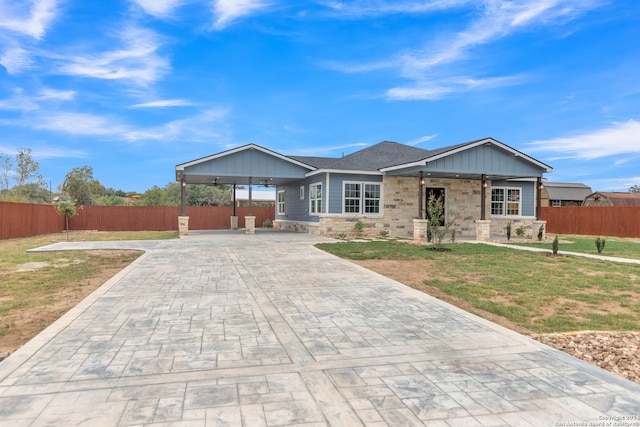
point(250, 224)
point(483, 229)
point(234, 217)
point(183, 219)
point(419, 229)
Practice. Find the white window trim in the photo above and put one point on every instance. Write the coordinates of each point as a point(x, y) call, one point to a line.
point(312, 199)
point(281, 203)
point(362, 198)
point(505, 202)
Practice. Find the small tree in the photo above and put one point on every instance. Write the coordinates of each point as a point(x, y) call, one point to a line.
point(509, 230)
point(554, 245)
point(540, 232)
point(437, 224)
point(67, 209)
point(600, 244)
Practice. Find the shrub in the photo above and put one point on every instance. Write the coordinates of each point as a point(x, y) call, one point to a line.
point(540, 232)
point(267, 223)
point(554, 246)
point(600, 244)
point(358, 227)
point(509, 230)
point(520, 231)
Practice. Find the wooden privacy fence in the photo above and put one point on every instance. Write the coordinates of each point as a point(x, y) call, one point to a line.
point(619, 221)
point(24, 219)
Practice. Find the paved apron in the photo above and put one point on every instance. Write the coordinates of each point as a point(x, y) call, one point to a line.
point(224, 328)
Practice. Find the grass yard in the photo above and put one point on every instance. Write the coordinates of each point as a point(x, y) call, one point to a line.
point(38, 288)
point(537, 292)
point(614, 246)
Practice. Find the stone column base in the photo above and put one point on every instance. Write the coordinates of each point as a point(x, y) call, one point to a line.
point(483, 229)
point(183, 225)
point(234, 222)
point(535, 228)
point(419, 229)
point(250, 224)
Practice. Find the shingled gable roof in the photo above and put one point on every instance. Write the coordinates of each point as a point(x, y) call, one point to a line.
point(447, 151)
point(369, 159)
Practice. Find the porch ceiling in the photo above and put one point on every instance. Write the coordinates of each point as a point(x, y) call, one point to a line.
point(234, 179)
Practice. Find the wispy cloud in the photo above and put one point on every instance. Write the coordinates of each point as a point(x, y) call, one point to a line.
point(492, 20)
point(618, 139)
point(200, 127)
point(422, 139)
point(226, 11)
point(15, 60)
point(435, 89)
point(356, 9)
point(163, 103)
point(317, 151)
point(158, 8)
point(21, 102)
point(137, 60)
point(31, 18)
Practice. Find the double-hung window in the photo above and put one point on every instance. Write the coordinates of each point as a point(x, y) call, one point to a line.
point(281, 198)
point(315, 199)
point(506, 201)
point(361, 198)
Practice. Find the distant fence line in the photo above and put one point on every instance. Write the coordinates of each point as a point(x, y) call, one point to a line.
point(618, 221)
point(25, 219)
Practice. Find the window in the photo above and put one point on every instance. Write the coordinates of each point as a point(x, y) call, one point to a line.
point(361, 202)
point(372, 198)
point(281, 202)
point(315, 199)
point(556, 203)
point(505, 201)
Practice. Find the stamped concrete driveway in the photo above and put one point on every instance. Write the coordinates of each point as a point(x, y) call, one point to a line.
point(224, 328)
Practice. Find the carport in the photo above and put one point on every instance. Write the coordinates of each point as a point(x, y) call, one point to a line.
point(247, 165)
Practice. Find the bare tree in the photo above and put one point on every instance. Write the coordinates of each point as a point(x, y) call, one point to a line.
point(5, 171)
point(27, 169)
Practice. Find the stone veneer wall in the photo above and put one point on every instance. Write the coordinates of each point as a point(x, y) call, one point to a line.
point(400, 207)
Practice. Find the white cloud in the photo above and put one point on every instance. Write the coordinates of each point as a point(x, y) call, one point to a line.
point(77, 124)
point(438, 88)
point(200, 127)
point(158, 8)
point(227, 11)
point(31, 18)
point(137, 60)
point(491, 20)
point(422, 139)
point(15, 60)
point(21, 102)
point(163, 103)
point(361, 9)
point(618, 139)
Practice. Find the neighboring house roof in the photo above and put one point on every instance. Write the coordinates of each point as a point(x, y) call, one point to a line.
point(256, 195)
point(567, 191)
point(616, 198)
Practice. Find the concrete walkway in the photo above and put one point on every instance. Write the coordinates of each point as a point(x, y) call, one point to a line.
point(225, 328)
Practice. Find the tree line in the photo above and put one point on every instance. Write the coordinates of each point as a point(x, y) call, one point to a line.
point(21, 181)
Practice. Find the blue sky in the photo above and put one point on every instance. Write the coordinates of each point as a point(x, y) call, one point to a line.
point(134, 87)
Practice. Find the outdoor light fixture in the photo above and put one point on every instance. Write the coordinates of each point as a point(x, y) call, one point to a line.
point(422, 181)
point(484, 184)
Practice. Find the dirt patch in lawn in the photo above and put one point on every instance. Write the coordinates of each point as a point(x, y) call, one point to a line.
point(27, 319)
